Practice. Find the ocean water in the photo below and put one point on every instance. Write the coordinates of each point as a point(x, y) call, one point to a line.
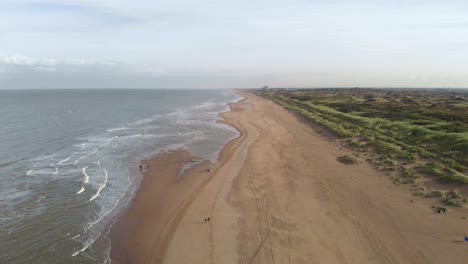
point(69, 161)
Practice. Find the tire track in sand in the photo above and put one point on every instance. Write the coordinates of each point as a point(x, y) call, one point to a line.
point(171, 226)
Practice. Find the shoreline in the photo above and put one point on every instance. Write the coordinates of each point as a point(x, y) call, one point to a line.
point(166, 178)
point(278, 194)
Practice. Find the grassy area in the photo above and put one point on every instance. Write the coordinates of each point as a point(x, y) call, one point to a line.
point(452, 202)
point(437, 194)
point(408, 133)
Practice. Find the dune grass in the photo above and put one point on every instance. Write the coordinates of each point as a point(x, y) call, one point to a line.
point(399, 128)
point(432, 194)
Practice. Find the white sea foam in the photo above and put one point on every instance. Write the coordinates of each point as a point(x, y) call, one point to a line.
point(38, 171)
point(174, 113)
point(204, 105)
point(110, 191)
point(187, 166)
point(153, 118)
point(113, 207)
point(82, 157)
point(106, 174)
point(132, 136)
point(144, 121)
point(105, 144)
point(110, 130)
point(86, 176)
point(86, 247)
point(66, 159)
point(81, 190)
point(42, 197)
point(100, 218)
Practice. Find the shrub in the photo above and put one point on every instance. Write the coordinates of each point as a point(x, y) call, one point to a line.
point(433, 169)
point(453, 194)
point(453, 164)
point(437, 208)
point(407, 173)
point(452, 202)
point(388, 161)
point(386, 148)
point(434, 194)
point(452, 178)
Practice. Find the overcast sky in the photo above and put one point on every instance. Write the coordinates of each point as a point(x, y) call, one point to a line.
point(232, 44)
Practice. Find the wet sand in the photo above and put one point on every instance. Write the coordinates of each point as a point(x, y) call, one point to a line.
point(278, 195)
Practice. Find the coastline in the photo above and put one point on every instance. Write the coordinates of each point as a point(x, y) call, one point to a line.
point(278, 194)
point(141, 233)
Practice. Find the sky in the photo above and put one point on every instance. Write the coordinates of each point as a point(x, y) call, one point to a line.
point(233, 44)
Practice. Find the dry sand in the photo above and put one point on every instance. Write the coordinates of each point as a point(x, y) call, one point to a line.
point(278, 195)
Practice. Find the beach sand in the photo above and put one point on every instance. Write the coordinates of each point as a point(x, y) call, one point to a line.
point(278, 195)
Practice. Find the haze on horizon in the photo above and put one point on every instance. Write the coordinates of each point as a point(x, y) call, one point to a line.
point(235, 44)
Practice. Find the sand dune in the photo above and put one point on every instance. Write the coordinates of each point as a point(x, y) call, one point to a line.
point(278, 195)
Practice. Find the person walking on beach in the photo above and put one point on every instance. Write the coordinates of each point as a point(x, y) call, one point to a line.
point(141, 167)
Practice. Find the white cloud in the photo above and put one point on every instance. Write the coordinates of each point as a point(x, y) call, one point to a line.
point(45, 69)
point(18, 60)
point(22, 60)
point(367, 40)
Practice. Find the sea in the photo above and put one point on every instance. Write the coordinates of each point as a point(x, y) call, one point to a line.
point(69, 161)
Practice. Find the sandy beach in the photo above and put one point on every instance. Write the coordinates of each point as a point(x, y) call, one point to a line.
point(278, 195)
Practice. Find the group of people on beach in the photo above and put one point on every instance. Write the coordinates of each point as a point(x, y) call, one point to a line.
point(141, 167)
point(207, 219)
point(207, 170)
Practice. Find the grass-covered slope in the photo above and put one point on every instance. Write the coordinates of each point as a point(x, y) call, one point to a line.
point(409, 133)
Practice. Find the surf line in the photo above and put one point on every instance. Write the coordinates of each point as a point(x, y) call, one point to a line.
point(67, 159)
point(99, 219)
point(106, 174)
point(86, 179)
point(115, 205)
point(82, 157)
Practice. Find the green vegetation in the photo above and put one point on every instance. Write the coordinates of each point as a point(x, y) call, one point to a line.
point(441, 208)
point(454, 179)
point(408, 175)
point(453, 195)
point(433, 169)
point(395, 129)
point(437, 194)
point(451, 202)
